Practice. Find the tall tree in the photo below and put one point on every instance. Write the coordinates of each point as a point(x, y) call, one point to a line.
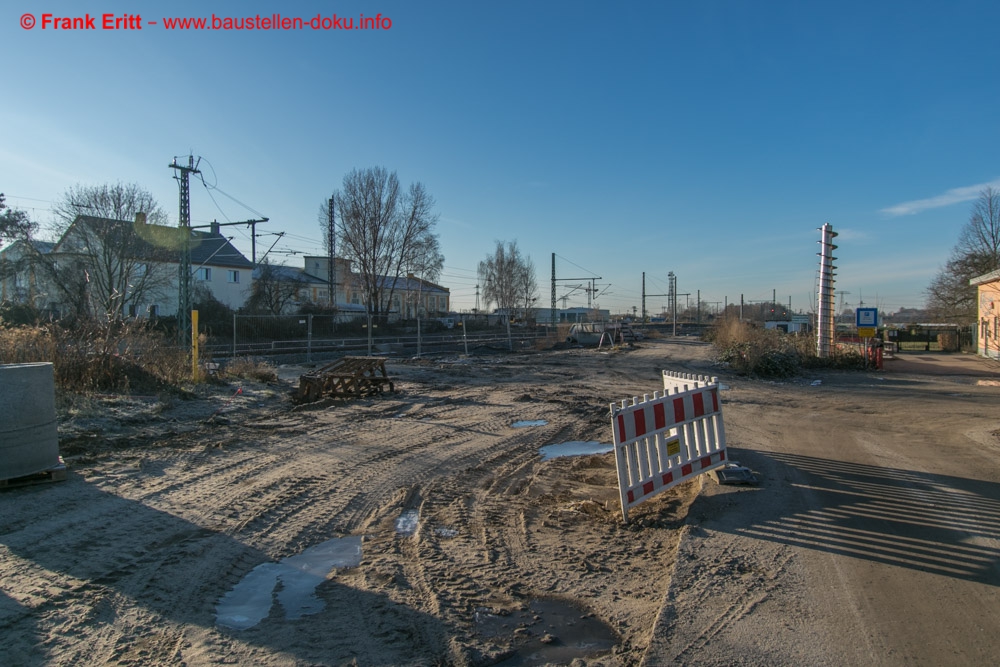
point(114, 249)
point(949, 296)
point(14, 224)
point(385, 232)
point(508, 279)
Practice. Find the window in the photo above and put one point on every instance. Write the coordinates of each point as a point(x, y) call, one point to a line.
point(154, 310)
point(133, 310)
point(233, 276)
point(204, 273)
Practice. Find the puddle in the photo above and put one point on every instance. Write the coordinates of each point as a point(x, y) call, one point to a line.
point(548, 632)
point(445, 532)
point(406, 524)
point(575, 448)
point(988, 383)
point(816, 383)
point(533, 422)
point(249, 602)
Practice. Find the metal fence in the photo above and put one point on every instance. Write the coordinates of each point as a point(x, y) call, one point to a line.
point(322, 335)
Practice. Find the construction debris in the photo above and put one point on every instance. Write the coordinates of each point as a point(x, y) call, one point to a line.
point(347, 377)
point(734, 473)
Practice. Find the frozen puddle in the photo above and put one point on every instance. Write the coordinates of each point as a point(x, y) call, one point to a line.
point(406, 524)
point(576, 448)
point(250, 600)
point(527, 423)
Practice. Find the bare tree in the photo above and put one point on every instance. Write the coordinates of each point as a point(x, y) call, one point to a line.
point(508, 279)
point(273, 290)
point(526, 285)
point(949, 296)
point(385, 232)
point(14, 224)
point(114, 251)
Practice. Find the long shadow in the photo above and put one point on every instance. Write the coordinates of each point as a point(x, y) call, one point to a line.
point(15, 615)
point(75, 558)
point(930, 523)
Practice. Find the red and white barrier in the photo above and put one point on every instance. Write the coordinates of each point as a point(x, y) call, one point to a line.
point(667, 439)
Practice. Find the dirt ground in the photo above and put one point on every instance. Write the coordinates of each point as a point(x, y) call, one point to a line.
point(474, 550)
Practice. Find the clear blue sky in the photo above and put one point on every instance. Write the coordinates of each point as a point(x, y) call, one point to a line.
point(710, 139)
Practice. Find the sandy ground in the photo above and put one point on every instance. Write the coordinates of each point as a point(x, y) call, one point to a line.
point(474, 550)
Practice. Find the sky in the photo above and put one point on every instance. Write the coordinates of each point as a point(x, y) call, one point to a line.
point(709, 139)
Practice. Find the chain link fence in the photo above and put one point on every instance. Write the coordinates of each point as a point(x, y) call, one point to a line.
point(307, 337)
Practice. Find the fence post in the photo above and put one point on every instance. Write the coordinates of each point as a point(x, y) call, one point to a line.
point(234, 334)
point(465, 337)
point(309, 340)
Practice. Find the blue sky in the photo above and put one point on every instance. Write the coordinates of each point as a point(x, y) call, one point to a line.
point(710, 139)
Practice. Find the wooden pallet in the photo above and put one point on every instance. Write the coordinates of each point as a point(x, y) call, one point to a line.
point(347, 377)
point(57, 473)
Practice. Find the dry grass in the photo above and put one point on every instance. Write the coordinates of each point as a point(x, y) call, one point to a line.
point(751, 350)
point(251, 368)
point(122, 357)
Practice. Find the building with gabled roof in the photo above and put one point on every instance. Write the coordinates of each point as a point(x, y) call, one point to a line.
point(133, 269)
point(18, 277)
point(410, 295)
point(988, 300)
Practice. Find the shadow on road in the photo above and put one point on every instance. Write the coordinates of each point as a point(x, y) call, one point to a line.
point(932, 523)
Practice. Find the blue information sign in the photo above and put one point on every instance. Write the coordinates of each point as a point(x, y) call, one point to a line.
point(867, 317)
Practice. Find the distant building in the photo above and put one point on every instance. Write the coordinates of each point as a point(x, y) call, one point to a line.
point(409, 296)
point(19, 273)
point(796, 324)
point(571, 315)
point(988, 293)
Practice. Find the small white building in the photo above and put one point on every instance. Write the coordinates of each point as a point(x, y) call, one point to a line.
point(797, 324)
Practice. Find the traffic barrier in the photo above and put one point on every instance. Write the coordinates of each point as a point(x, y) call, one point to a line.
point(667, 439)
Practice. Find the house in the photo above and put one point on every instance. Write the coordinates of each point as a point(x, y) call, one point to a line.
point(414, 297)
point(218, 266)
point(115, 267)
point(18, 273)
point(988, 300)
point(310, 284)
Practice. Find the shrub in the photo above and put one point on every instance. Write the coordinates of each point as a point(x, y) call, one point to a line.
point(750, 350)
point(117, 356)
point(250, 368)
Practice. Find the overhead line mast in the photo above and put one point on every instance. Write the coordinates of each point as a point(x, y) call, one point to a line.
point(184, 271)
point(184, 223)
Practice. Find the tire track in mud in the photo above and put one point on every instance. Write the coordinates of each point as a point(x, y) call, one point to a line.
point(198, 516)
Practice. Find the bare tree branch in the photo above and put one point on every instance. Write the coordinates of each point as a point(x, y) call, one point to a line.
point(949, 296)
point(508, 279)
point(386, 233)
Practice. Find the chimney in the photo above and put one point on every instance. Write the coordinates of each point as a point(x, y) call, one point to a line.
point(215, 228)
